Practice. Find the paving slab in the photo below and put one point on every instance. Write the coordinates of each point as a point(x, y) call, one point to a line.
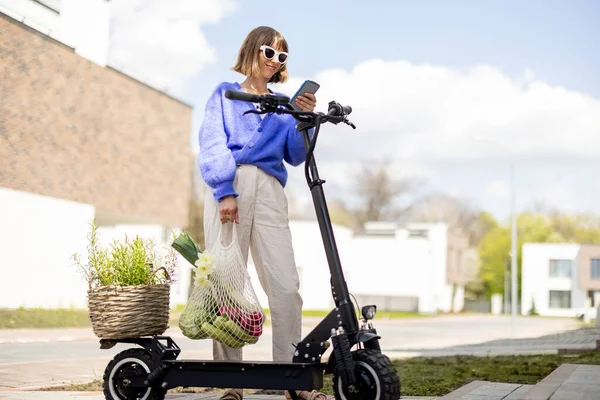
point(568, 382)
point(519, 393)
point(483, 390)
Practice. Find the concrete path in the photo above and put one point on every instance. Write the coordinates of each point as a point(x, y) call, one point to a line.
point(578, 339)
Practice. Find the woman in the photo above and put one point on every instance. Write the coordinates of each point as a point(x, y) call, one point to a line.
point(242, 161)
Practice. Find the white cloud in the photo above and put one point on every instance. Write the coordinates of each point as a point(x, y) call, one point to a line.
point(417, 112)
point(162, 41)
point(424, 118)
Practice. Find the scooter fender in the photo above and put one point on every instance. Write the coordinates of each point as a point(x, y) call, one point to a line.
point(361, 337)
point(365, 336)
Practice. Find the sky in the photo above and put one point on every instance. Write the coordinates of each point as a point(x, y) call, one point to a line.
point(452, 93)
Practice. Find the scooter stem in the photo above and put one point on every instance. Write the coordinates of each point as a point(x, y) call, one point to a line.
point(339, 287)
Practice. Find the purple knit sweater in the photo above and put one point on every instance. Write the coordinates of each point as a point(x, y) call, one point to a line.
point(228, 138)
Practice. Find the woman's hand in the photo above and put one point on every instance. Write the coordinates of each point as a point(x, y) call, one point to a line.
point(228, 210)
point(307, 102)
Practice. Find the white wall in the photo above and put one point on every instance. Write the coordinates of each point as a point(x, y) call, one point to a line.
point(459, 299)
point(81, 24)
point(536, 282)
point(441, 290)
point(38, 236)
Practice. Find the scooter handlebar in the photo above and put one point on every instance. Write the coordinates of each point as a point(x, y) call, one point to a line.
point(243, 96)
point(338, 110)
point(255, 98)
point(271, 103)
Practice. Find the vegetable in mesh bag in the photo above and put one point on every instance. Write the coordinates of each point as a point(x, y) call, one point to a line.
point(223, 305)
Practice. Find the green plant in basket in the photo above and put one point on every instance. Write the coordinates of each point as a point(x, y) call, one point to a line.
point(127, 263)
point(129, 289)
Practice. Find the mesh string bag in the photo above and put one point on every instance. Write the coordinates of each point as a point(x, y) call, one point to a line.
point(223, 305)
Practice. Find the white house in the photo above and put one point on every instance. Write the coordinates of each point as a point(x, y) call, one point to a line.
point(561, 279)
point(405, 269)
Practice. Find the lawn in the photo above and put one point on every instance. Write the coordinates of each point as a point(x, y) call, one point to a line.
point(43, 318)
point(441, 375)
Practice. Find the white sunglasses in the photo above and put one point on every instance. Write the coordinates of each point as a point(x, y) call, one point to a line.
point(271, 53)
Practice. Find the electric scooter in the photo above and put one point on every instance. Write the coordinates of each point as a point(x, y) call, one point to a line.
point(360, 370)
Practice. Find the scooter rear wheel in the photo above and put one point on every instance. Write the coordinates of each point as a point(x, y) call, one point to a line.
point(377, 378)
point(131, 362)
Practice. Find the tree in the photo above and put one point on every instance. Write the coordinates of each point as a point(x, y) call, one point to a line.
point(379, 192)
point(339, 213)
point(195, 222)
point(494, 251)
point(457, 213)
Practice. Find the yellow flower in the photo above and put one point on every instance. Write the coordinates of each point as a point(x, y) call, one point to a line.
point(204, 259)
point(204, 269)
point(201, 280)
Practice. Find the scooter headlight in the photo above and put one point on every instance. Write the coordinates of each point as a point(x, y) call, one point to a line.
point(369, 312)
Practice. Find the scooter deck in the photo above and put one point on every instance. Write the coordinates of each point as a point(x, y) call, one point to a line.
point(244, 375)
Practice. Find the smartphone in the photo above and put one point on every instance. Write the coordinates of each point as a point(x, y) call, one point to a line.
point(307, 87)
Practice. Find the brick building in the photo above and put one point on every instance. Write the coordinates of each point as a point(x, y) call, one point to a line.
point(78, 140)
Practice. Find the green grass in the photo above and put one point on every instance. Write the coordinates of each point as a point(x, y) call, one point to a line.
point(40, 318)
point(441, 375)
point(43, 318)
point(77, 318)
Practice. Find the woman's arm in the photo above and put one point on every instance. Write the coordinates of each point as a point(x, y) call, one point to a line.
point(217, 165)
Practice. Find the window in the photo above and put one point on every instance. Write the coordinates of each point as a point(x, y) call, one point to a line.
point(595, 268)
point(560, 268)
point(418, 233)
point(560, 299)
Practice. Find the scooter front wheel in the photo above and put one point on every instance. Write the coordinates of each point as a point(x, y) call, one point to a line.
point(377, 378)
point(126, 364)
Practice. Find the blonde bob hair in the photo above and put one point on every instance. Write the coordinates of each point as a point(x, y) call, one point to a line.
point(249, 56)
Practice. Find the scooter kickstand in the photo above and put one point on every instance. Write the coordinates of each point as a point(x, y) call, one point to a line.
point(293, 394)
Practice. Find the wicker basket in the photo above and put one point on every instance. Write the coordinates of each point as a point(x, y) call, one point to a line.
point(119, 312)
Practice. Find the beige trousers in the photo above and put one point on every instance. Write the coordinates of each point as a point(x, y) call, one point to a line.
point(264, 229)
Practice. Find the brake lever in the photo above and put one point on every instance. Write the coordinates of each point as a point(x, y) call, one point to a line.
point(255, 112)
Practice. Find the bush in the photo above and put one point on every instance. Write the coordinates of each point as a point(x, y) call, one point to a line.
point(533, 310)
